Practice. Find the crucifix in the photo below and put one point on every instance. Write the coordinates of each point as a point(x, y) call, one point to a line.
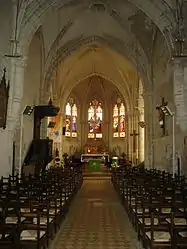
point(134, 135)
point(161, 116)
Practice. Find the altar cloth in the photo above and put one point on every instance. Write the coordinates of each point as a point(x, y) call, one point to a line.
point(94, 165)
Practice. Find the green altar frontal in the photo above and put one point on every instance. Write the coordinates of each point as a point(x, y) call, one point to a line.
point(94, 165)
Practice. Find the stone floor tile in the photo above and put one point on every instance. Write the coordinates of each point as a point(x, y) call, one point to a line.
point(96, 220)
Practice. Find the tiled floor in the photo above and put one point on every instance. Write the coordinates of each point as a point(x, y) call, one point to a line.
point(96, 220)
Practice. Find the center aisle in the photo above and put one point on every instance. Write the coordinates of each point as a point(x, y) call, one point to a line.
point(96, 220)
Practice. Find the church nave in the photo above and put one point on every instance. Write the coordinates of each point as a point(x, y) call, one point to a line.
point(96, 220)
point(93, 104)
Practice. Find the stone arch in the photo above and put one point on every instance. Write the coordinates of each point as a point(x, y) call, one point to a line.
point(121, 90)
point(160, 13)
point(68, 50)
point(88, 41)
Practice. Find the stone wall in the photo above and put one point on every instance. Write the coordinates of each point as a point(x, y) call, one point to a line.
point(115, 27)
point(6, 24)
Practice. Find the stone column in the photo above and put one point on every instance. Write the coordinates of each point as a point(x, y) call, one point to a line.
point(180, 101)
point(84, 133)
point(130, 138)
point(16, 77)
point(6, 138)
point(44, 122)
point(141, 137)
point(136, 128)
point(180, 92)
point(149, 146)
point(107, 130)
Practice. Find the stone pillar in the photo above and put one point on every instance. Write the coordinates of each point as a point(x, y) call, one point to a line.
point(141, 137)
point(108, 131)
point(16, 77)
point(149, 150)
point(6, 138)
point(180, 92)
point(83, 134)
point(130, 138)
point(16, 90)
point(136, 128)
point(43, 100)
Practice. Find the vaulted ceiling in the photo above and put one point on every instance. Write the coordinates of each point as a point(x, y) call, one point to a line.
point(107, 38)
point(94, 60)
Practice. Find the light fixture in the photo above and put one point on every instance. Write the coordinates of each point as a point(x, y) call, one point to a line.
point(28, 110)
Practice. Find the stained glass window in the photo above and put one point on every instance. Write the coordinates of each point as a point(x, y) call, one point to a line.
point(119, 120)
point(71, 119)
point(95, 117)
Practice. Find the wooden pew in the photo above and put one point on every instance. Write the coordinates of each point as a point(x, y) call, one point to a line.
point(150, 197)
point(36, 207)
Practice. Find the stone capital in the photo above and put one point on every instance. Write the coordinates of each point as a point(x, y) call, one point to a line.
point(179, 61)
point(20, 62)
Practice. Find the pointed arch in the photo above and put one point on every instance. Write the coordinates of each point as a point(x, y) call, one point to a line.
point(95, 118)
point(119, 125)
point(71, 118)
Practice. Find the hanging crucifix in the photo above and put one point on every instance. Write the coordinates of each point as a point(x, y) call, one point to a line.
point(161, 116)
point(134, 135)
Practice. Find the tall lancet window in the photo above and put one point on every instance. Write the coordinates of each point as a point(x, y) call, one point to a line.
point(119, 119)
point(95, 118)
point(71, 119)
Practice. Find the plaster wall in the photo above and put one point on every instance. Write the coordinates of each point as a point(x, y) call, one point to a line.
point(6, 27)
point(6, 24)
point(31, 97)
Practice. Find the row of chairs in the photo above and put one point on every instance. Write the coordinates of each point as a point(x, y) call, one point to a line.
point(32, 208)
point(156, 204)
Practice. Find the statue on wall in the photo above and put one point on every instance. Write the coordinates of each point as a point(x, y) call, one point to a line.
point(4, 94)
point(161, 116)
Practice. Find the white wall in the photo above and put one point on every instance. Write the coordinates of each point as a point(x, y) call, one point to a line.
point(6, 14)
point(6, 135)
point(31, 94)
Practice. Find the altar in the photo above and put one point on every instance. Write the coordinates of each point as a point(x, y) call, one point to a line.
point(95, 154)
point(101, 157)
point(94, 161)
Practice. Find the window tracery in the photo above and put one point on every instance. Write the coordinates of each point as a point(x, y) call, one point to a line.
point(119, 119)
point(71, 119)
point(95, 118)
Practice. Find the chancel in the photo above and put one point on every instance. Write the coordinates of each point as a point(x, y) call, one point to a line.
point(93, 97)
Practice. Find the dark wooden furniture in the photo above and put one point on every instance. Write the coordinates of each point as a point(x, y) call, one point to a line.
point(4, 94)
point(32, 208)
point(156, 204)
